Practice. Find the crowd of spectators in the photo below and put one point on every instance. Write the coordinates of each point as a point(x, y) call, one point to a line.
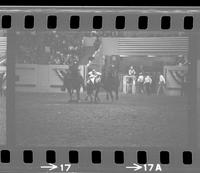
point(51, 47)
point(48, 47)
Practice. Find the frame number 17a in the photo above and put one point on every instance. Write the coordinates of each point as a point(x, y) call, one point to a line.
point(145, 167)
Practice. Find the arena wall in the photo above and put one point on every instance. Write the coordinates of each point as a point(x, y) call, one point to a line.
point(40, 78)
point(175, 76)
point(37, 78)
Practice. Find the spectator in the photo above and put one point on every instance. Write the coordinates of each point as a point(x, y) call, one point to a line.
point(147, 84)
point(131, 71)
point(161, 84)
point(140, 82)
point(131, 80)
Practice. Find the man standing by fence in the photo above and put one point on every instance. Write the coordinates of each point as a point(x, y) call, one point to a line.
point(161, 84)
point(140, 82)
point(147, 84)
point(131, 80)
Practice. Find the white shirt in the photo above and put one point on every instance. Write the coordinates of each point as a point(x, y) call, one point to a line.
point(147, 79)
point(96, 73)
point(93, 75)
point(131, 72)
point(161, 79)
point(140, 78)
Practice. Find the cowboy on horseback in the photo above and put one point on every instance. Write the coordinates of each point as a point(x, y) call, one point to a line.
point(73, 79)
point(93, 85)
point(92, 75)
point(73, 66)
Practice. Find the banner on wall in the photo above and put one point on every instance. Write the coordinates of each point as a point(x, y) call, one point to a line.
point(175, 76)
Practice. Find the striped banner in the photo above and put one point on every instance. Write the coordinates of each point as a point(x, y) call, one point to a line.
point(2, 60)
point(3, 46)
point(175, 76)
point(152, 45)
point(178, 76)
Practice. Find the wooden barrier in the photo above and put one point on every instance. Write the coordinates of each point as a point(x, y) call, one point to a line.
point(126, 86)
point(40, 78)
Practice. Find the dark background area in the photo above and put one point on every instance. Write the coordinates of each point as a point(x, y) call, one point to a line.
point(102, 3)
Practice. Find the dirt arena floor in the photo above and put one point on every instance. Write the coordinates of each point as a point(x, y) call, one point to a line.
point(46, 119)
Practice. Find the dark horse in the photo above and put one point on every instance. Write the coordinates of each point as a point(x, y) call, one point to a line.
point(73, 81)
point(111, 82)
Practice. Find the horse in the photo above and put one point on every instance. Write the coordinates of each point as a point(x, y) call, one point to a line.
point(73, 81)
point(111, 82)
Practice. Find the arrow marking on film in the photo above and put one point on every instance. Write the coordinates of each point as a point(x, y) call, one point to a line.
point(50, 167)
point(135, 166)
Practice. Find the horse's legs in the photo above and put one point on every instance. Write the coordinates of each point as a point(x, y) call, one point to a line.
point(70, 95)
point(97, 99)
point(107, 95)
point(78, 94)
point(95, 96)
point(87, 93)
point(91, 98)
point(1, 89)
point(111, 95)
point(117, 94)
point(86, 98)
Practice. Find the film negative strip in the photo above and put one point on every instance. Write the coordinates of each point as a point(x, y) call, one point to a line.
point(99, 89)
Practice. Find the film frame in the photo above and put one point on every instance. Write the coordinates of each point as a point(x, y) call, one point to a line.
point(128, 21)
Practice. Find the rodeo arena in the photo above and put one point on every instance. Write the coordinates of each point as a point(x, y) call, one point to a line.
point(101, 88)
